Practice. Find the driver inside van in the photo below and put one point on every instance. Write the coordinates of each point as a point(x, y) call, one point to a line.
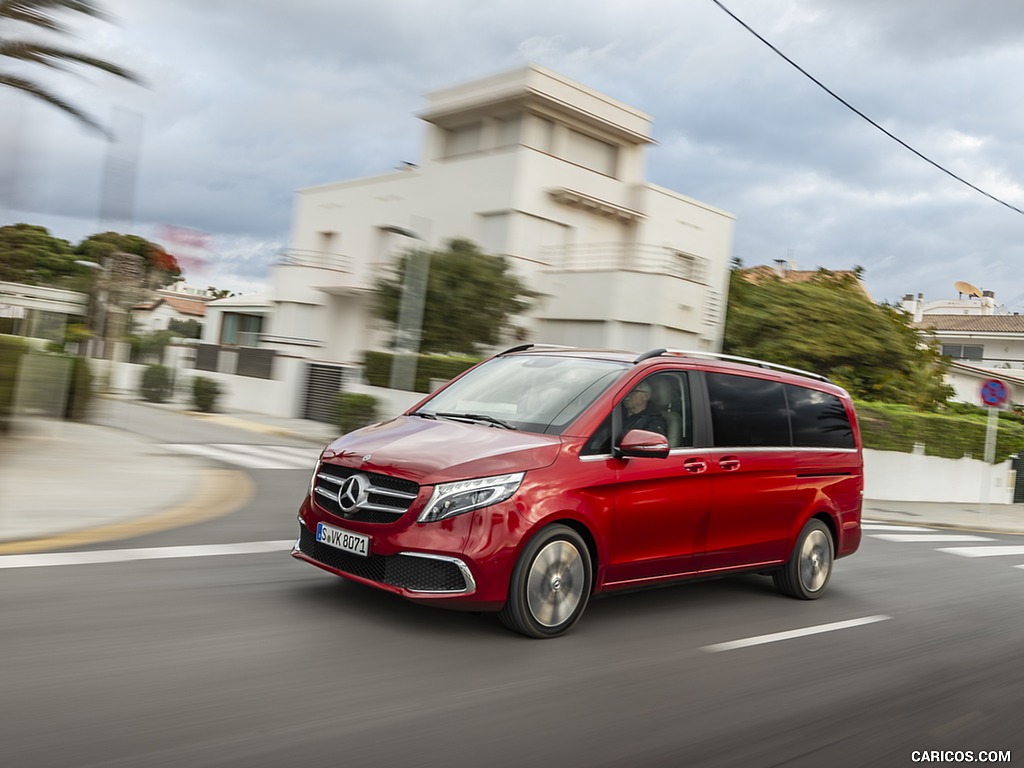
point(640, 414)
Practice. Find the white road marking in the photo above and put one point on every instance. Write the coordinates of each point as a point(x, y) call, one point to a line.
point(251, 456)
point(928, 537)
point(794, 633)
point(893, 528)
point(984, 551)
point(43, 559)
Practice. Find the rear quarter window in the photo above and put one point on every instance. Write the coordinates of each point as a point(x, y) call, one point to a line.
point(819, 419)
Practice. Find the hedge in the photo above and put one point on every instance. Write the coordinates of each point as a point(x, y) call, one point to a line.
point(951, 435)
point(351, 410)
point(377, 368)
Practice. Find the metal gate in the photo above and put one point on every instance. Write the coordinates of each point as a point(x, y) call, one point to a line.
point(323, 382)
point(1018, 484)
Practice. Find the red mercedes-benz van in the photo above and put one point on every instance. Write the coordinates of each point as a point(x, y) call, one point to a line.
point(543, 476)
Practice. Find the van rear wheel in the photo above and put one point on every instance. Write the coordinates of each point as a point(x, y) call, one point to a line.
point(550, 584)
point(809, 568)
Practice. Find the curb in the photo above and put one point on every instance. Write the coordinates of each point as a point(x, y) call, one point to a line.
point(221, 492)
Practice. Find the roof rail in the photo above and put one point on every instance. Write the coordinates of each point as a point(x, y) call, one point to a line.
point(524, 347)
point(732, 358)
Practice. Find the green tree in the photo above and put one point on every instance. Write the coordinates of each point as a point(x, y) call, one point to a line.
point(158, 266)
point(30, 254)
point(828, 325)
point(44, 15)
point(471, 298)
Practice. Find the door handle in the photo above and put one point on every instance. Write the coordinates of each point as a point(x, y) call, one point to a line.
point(729, 463)
point(695, 466)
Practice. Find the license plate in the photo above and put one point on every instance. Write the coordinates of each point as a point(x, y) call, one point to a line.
point(347, 541)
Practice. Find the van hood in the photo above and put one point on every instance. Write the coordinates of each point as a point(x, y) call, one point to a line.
point(429, 452)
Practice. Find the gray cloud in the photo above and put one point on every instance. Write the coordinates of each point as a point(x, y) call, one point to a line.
point(248, 101)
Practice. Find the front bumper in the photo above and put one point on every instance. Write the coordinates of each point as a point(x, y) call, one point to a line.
point(463, 562)
point(411, 574)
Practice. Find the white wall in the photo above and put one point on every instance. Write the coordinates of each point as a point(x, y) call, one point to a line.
point(893, 476)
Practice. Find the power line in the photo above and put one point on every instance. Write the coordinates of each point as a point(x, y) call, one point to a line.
point(856, 111)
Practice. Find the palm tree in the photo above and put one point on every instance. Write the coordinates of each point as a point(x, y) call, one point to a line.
point(41, 14)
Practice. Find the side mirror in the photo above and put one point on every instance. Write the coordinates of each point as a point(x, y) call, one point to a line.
point(640, 443)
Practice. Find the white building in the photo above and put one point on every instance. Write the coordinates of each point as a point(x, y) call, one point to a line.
point(981, 337)
point(177, 303)
point(531, 166)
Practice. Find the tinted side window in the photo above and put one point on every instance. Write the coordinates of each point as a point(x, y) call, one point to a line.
point(747, 412)
point(819, 419)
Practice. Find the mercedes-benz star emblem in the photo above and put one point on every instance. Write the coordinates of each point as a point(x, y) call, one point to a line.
point(353, 493)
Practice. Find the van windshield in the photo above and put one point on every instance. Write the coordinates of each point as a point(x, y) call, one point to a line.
point(535, 394)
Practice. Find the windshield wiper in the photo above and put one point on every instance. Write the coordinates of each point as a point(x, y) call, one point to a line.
point(477, 417)
point(424, 415)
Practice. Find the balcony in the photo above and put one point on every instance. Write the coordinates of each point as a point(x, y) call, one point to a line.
point(304, 276)
point(300, 257)
point(625, 257)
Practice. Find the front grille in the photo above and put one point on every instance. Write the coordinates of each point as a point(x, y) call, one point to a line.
point(419, 574)
point(389, 497)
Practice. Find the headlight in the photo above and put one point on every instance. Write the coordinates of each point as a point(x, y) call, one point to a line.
point(312, 480)
point(449, 499)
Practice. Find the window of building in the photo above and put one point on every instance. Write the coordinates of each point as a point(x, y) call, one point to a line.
point(239, 329)
point(964, 351)
point(463, 140)
point(509, 130)
point(591, 153)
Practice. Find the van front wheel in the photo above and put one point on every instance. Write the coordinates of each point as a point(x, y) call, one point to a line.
point(550, 584)
point(809, 568)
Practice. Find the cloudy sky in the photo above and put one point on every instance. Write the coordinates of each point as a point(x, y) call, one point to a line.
point(249, 100)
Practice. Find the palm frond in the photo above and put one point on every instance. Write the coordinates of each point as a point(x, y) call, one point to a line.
point(44, 14)
point(36, 90)
point(39, 13)
point(56, 57)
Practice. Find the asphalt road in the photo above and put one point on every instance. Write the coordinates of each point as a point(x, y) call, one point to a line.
point(259, 660)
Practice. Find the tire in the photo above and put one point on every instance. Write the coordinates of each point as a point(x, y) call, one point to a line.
point(550, 585)
point(807, 572)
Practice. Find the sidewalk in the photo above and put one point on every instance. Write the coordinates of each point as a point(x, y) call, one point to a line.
point(67, 483)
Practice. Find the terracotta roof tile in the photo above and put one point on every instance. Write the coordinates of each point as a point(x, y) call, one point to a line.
point(973, 323)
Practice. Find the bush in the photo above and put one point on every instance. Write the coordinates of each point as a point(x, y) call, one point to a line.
point(377, 368)
point(350, 411)
point(205, 393)
point(157, 384)
point(958, 432)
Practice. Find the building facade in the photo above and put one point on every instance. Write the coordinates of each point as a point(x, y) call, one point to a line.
point(533, 167)
point(980, 336)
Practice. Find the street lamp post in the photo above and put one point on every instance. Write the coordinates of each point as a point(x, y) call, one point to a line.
point(99, 298)
point(410, 313)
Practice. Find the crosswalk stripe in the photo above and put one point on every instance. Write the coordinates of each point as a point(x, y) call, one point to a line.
point(251, 456)
point(928, 537)
point(273, 453)
point(213, 452)
point(893, 528)
point(984, 551)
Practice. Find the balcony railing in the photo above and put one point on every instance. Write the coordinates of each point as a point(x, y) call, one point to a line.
point(322, 259)
point(603, 257)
